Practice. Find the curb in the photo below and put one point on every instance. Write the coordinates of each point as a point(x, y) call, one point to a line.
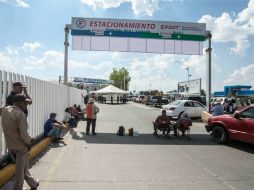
point(8, 171)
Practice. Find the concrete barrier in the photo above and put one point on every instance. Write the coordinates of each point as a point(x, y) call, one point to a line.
point(8, 171)
point(205, 116)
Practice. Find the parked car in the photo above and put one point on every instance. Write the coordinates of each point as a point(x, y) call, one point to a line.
point(200, 99)
point(152, 99)
point(159, 103)
point(239, 126)
point(131, 97)
point(139, 98)
point(178, 107)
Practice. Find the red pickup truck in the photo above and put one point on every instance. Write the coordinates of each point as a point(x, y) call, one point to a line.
point(239, 126)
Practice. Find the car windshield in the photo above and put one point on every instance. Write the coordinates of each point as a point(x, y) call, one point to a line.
point(175, 103)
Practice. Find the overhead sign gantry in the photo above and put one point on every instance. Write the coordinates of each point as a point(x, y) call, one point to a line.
point(144, 36)
point(97, 34)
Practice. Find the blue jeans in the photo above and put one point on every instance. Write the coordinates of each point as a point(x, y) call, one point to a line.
point(55, 132)
point(72, 122)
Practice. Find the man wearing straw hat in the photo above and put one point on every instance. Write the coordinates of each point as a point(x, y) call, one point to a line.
point(91, 115)
point(18, 140)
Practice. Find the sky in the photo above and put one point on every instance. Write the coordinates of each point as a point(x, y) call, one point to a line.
point(32, 41)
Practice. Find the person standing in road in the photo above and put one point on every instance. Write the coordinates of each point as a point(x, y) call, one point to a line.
point(18, 141)
point(17, 88)
point(117, 99)
point(111, 98)
point(91, 115)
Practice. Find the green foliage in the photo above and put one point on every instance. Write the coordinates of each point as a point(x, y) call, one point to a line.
point(119, 75)
point(202, 92)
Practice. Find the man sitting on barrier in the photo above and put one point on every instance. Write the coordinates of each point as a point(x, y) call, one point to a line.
point(162, 122)
point(68, 119)
point(53, 128)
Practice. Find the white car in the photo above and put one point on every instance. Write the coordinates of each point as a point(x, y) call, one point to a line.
point(191, 107)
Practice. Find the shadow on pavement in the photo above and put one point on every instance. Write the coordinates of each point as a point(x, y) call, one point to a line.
point(246, 147)
point(143, 139)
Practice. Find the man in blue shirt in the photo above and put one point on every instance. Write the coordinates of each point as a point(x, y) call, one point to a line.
point(218, 109)
point(53, 128)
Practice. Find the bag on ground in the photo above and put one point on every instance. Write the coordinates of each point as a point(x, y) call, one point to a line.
point(130, 131)
point(121, 131)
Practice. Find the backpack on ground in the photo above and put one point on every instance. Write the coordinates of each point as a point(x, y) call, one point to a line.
point(130, 131)
point(121, 131)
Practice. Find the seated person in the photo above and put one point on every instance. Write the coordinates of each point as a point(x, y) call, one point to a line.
point(74, 112)
point(69, 119)
point(218, 109)
point(80, 112)
point(161, 122)
point(53, 128)
point(182, 124)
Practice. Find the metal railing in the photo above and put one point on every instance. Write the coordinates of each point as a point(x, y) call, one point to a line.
point(47, 97)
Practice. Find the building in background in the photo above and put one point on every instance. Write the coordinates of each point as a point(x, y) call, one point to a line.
point(88, 84)
point(235, 91)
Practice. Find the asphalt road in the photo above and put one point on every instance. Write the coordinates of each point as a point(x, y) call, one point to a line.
point(107, 161)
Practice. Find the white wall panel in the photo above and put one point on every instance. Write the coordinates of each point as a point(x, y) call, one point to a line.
point(47, 97)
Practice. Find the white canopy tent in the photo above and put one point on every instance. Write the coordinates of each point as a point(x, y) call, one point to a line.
point(110, 89)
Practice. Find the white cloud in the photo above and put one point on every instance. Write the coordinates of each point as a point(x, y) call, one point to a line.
point(16, 50)
point(17, 3)
point(12, 50)
point(199, 64)
point(31, 46)
point(7, 63)
point(152, 72)
point(237, 29)
point(145, 7)
point(50, 58)
point(241, 76)
point(55, 60)
point(23, 4)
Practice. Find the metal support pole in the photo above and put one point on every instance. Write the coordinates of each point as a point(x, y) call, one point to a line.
point(188, 69)
point(188, 78)
point(66, 45)
point(209, 63)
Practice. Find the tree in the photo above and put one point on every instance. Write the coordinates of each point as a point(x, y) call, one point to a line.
point(121, 78)
point(202, 92)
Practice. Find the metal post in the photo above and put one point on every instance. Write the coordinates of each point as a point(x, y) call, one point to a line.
point(66, 45)
point(188, 69)
point(209, 63)
point(59, 80)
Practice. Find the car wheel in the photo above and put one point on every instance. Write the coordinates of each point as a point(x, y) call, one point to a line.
point(180, 115)
point(219, 135)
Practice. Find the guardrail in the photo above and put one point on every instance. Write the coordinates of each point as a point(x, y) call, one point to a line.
point(47, 97)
